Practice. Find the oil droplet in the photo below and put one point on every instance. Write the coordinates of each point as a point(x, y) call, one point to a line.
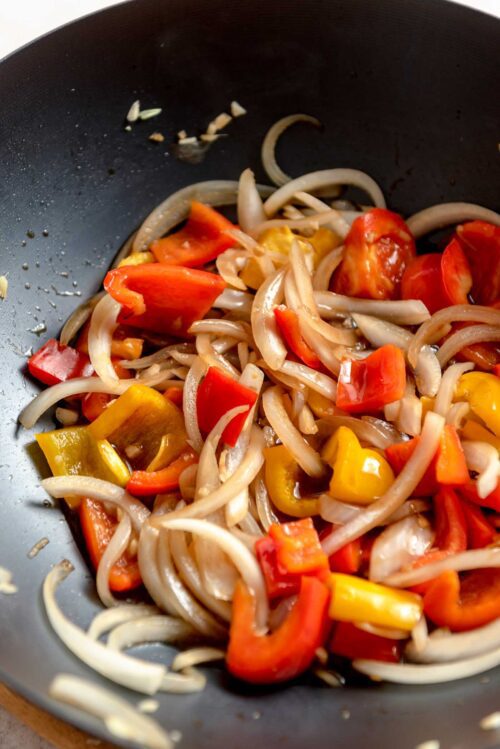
point(27, 285)
point(25, 266)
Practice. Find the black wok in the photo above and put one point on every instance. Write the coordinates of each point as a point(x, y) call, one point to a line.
point(407, 91)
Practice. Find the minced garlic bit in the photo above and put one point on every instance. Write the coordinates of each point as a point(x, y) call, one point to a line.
point(157, 137)
point(490, 722)
point(147, 114)
point(188, 141)
point(211, 137)
point(219, 123)
point(4, 285)
point(134, 112)
point(66, 416)
point(34, 551)
point(432, 744)
point(7, 587)
point(148, 706)
point(133, 451)
point(237, 110)
point(181, 135)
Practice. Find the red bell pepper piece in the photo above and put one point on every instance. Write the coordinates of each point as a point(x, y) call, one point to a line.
point(98, 529)
point(174, 395)
point(496, 370)
point(484, 355)
point(464, 603)
point(55, 363)
point(146, 483)
point(399, 454)
point(298, 550)
point(480, 242)
point(218, 394)
point(423, 280)
point(351, 642)
point(348, 558)
point(456, 273)
point(279, 584)
point(93, 404)
point(163, 298)
point(202, 239)
point(449, 521)
point(451, 468)
point(290, 649)
point(492, 501)
point(369, 384)
point(480, 532)
point(288, 324)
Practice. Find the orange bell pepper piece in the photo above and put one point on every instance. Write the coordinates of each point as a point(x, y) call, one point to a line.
point(146, 483)
point(451, 468)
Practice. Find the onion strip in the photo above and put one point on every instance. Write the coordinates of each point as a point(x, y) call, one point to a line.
point(273, 171)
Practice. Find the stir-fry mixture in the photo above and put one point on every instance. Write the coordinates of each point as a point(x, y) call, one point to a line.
point(285, 432)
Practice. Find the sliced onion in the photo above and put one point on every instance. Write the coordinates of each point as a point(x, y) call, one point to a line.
point(407, 312)
point(457, 414)
point(446, 390)
point(306, 421)
point(312, 221)
point(264, 509)
point(308, 459)
point(176, 208)
point(457, 313)
point(399, 545)
point(388, 632)
point(78, 318)
point(229, 263)
point(106, 620)
point(241, 557)
point(337, 224)
point(409, 419)
point(189, 406)
point(129, 672)
point(466, 560)
point(401, 489)
point(467, 337)
point(264, 328)
point(442, 646)
point(250, 207)
point(339, 513)
point(162, 355)
point(235, 301)
point(114, 550)
point(103, 324)
point(211, 358)
point(327, 178)
point(273, 171)
point(409, 673)
point(158, 628)
point(313, 379)
point(445, 214)
point(420, 634)
point(52, 395)
point(373, 431)
point(325, 269)
point(238, 330)
point(196, 656)
point(483, 458)
point(120, 718)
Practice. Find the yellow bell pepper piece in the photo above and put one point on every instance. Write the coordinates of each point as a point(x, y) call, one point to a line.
point(357, 600)
point(427, 405)
point(75, 451)
point(252, 275)
point(321, 407)
point(137, 258)
point(360, 475)
point(171, 446)
point(324, 241)
point(471, 430)
point(482, 391)
point(139, 419)
point(282, 476)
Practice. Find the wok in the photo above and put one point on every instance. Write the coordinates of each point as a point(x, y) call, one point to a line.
point(405, 90)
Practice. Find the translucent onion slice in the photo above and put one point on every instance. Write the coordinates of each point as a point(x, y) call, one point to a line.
point(229, 263)
point(466, 560)
point(244, 561)
point(457, 414)
point(129, 672)
point(308, 459)
point(446, 390)
point(409, 418)
point(264, 328)
point(339, 513)
point(234, 300)
point(148, 566)
point(156, 628)
point(264, 509)
point(326, 268)
point(189, 407)
point(313, 379)
point(196, 656)
point(273, 171)
point(103, 324)
point(238, 330)
point(175, 208)
point(442, 646)
point(407, 312)
point(121, 719)
point(338, 224)
point(374, 431)
point(52, 395)
point(409, 673)
point(446, 214)
point(312, 222)
point(114, 550)
point(388, 632)
point(467, 337)
point(78, 318)
point(250, 207)
point(457, 313)
point(327, 178)
point(400, 490)
point(211, 358)
point(104, 621)
point(399, 545)
point(483, 458)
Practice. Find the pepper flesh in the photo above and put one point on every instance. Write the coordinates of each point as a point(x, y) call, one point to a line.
point(218, 394)
point(147, 483)
point(357, 600)
point(464, 603)
point(480, 532)
point(286, 652)
point(482, 391)
point(283, 476)
point(351, 642)
point(288, 323)
point(451, 468)
point(54, 363)
point(369, 384)
point(360, 475)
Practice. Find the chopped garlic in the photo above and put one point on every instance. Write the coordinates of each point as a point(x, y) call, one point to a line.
point(181, 135)
point(134, 111)
point(148, 706)
point(211, 137)
point(146, 114)
point(6, 585)
point(66, 416)
point(4, 284)
point(157, 137)
point(219, 123)
point(188, 141)
point(237, 110)
point(34, 551)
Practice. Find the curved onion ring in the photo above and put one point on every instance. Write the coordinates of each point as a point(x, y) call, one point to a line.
point(467, 337)
point(445, 214)
point(273, 171)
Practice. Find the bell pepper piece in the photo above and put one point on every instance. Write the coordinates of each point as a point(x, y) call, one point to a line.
point(298, 550)
point(451, 468)
point(348, 559)
point(464, 603)
point(288, 324)
point(456, 273)
point(492, 501)
point(471, 430)
point(174, 394)
point(351, 642)
point(482, 391)
point(76, 451)
point(285, 481)
point(450, 523)
point(357, 600)
point(484, 355)
point(360, 475)
point(147, 483)
point(218, 394)
point(369, 384)
point(480, 242)
point(286, 652)
point(423, 279)
point(55, 363)
point(122, 345)
point(480, 532)
point(279, 584)
point(139, 418)
point(163, 298)
point(98, 529)
point(496, 370)
point(202, 239)
point(93, 404)
point(399, 454)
